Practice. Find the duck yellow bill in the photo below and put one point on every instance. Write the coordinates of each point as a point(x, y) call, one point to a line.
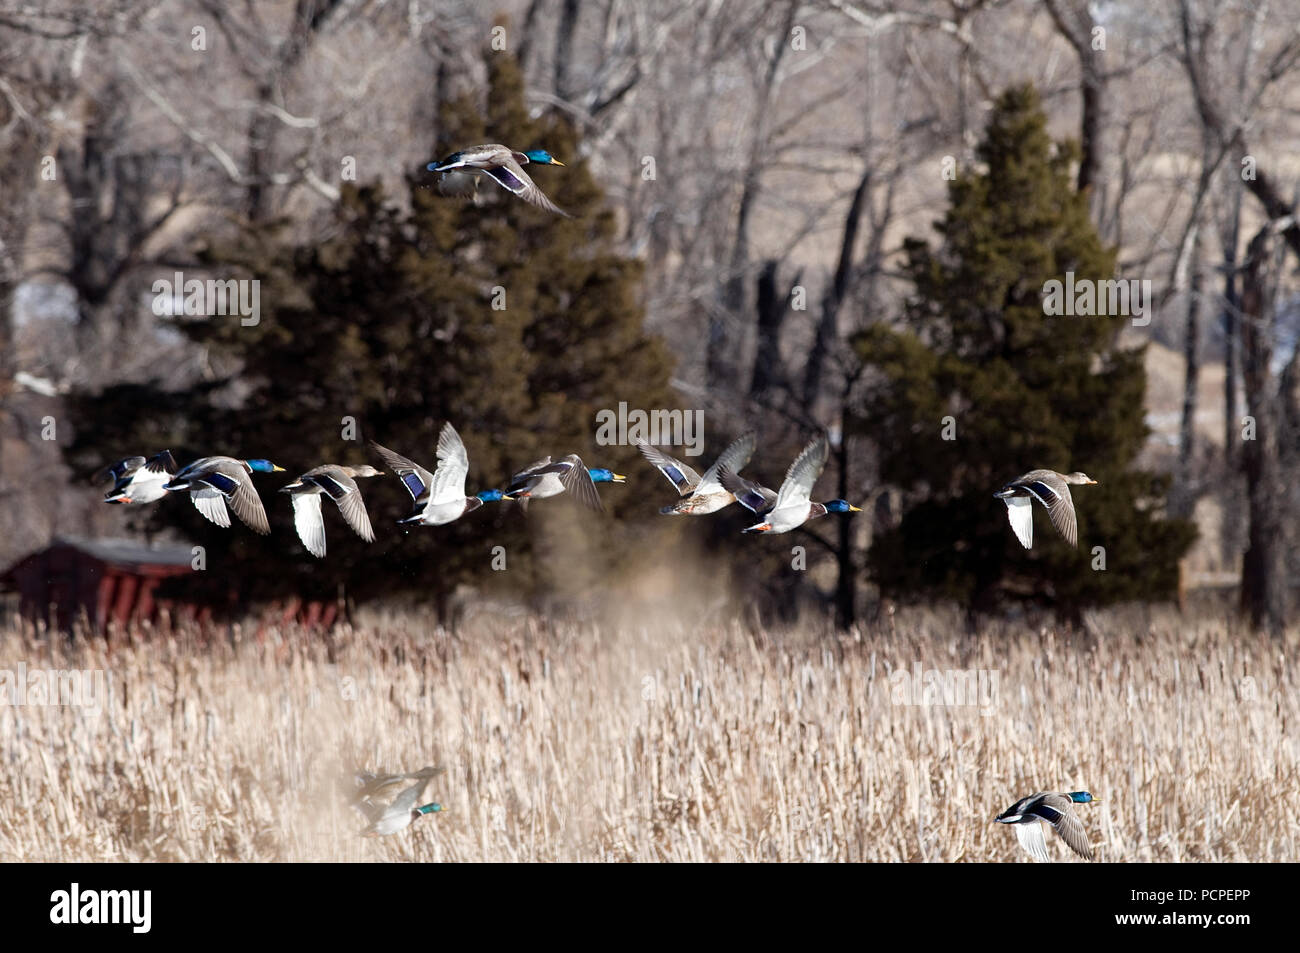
point(854, 509)
point(275, 469)
point(555, 161)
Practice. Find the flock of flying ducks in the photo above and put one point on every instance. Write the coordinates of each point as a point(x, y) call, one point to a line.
point(219, 484)
point(439, 497)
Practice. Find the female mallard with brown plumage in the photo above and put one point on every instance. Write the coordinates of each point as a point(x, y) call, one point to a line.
point(339, 483)
point(1050, 488)
point(700, 494)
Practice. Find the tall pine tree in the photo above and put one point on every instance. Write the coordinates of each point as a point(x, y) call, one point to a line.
point(1023, 389)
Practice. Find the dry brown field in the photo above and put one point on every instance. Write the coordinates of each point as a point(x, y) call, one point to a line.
point(641, 741)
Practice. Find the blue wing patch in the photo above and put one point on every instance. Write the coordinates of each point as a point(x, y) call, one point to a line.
point(220, 481)
point(414, 485)
point(1049, 814)
point(507, 179)
point(1044, 492)
point(331, 486)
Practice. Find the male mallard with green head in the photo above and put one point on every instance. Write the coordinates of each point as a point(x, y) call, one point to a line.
point(137, 480)
point(215, 481)
point(402, 810)
point(504, 166)
point(792, 505)
point(1030, 814)
point(547, 478)
point(439, 496)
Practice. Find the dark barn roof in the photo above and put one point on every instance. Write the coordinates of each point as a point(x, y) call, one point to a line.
point(129, 552)
point(117, 580)
point(108, 579)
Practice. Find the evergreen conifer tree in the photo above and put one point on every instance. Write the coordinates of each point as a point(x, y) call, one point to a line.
point(1024, 389)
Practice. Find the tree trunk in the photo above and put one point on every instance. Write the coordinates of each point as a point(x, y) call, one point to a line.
point(261, 142)
point(1074, 23)
point(733, 289)
point(524, 46)
point(1231, 235)
point(773, 308)
point(1263, 580)
point(1092, 128)
point(1186, 497)
point(309, 19)
point(834, 297)
point(564, 47)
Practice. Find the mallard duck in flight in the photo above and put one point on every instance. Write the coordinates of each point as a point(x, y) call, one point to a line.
point(547, 478)
point(1050, 488)
point(439, 496)
point(504, 166)
point(371, 786)
point(791, 506)
point(214, 481)
point(700, 494)
point(339, 483)
point(1030, 814)
point(137, 480)
point(402, 810)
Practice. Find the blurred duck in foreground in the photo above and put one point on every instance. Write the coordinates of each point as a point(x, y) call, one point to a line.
point(1030, 816)
point(339, 483)
point(700, 494)
point(503, 165)
point(439, 496)
point(1050, 488)
point(390, 816)
point(215, 481)
point(137, 480)
point(791, 506)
